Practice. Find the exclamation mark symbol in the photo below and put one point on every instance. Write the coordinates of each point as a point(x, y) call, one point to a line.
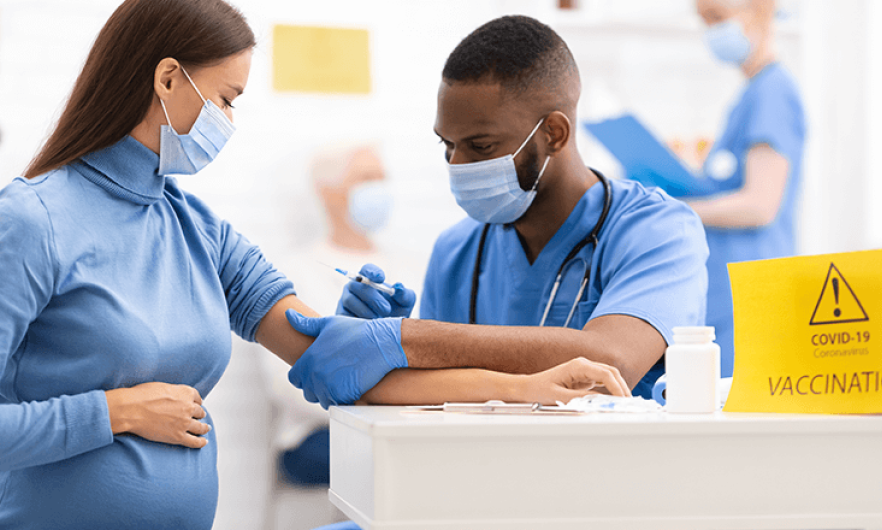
point(836, 312)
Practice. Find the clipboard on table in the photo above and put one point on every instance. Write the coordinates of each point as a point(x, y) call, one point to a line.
point(495, 407)
point(646, 159)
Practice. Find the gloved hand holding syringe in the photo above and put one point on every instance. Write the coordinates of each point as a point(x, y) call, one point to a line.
point(368, 296)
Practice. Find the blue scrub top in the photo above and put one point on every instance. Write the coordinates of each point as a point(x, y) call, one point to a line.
point(649, 263)
point(769, 111)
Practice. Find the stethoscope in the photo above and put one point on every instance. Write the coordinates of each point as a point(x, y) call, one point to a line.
point(591, 239)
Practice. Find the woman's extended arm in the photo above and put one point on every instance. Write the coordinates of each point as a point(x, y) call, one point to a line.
point(564, 382)
point(561, 383)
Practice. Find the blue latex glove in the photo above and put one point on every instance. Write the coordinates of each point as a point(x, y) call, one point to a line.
point(348, 358)
point(363, 301)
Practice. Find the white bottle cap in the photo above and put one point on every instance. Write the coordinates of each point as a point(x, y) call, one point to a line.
point(694, 334)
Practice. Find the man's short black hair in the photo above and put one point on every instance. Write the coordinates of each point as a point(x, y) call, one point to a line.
point(520, 53)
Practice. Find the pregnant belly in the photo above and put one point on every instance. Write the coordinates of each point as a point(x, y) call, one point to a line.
point(132, 483)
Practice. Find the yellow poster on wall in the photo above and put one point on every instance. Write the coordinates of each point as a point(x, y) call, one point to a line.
point(321, 60)
point(808, 334)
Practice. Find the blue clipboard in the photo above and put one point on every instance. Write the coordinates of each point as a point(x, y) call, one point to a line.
point(647, 160)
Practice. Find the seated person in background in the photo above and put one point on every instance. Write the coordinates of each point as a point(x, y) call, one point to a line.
point(350, 183)
point(555, 262)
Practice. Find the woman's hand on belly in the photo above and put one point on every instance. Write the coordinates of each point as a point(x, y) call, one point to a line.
point(159, 412)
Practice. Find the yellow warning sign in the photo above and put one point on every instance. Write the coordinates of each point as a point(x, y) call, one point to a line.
point(807, 334)
point(837, 304)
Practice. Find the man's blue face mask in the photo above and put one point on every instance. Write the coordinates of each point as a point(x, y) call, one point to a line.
point(186, 154)
point(489, 190)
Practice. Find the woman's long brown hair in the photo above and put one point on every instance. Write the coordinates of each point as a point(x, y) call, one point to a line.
point(115, 89)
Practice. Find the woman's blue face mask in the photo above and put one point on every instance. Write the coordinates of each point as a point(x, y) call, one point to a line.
point(728, 42)
point(489, 190)
point(186, 154)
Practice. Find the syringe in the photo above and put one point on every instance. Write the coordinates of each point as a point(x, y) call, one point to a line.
point(382, 287)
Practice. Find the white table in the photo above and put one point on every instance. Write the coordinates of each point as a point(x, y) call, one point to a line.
point(392, 469)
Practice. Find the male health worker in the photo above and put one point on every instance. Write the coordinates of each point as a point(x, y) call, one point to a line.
point(755, 163)
point(554, 262)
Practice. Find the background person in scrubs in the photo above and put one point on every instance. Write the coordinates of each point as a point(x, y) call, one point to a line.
point(509, 77)
point(756, 161)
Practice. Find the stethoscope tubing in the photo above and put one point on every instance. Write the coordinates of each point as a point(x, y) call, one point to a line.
point(592, 239)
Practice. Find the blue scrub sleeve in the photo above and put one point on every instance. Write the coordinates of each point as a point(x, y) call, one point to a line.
point(450, 269)
point(776, 120)
point(655, 269)
point(252, 286)
point(36, 433)
point(428, 301)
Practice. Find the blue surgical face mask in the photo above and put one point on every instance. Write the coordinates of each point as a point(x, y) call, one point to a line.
point(369, 206)
point(728, 42)
point(489, 190)
point(186, 154)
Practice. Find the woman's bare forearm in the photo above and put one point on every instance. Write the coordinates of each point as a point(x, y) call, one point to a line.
point(276, 335)
point(430, 387)
point(564, 382)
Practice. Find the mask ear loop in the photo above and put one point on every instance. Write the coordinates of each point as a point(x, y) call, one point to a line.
point(167, 120)
point(547, 158)
point(536, 128)
point(541, 172)
point(192, 83)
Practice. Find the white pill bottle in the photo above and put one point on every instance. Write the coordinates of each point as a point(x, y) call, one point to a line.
point(692, 365)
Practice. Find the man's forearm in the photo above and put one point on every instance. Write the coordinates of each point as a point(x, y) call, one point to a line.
point(513, 349)
point(618, 341)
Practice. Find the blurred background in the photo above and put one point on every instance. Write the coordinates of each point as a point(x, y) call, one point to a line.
point(642, 56)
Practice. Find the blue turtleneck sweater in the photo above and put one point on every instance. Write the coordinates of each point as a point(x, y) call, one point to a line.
point(111, 276)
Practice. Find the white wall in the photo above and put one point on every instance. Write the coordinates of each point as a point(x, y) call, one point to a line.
point(872, 184)
point(647, 54)
point(842, 87)
point(42, 48)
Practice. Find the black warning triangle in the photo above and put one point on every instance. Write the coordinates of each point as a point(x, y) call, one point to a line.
point(838, 303)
